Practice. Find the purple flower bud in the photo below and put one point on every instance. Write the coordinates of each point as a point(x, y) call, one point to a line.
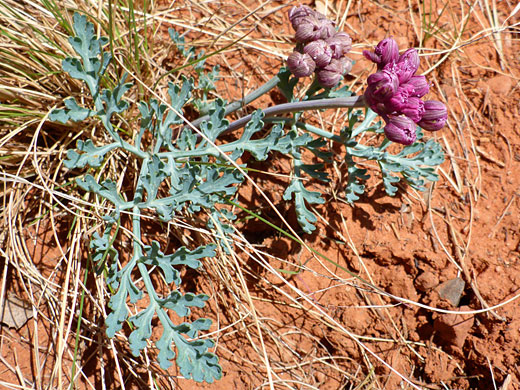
point(319, 51)
point(435, 115)
point(398, 100)
point(382, 85)
point(400, 129)
point(300, 65)
point(340, 43)
point(297, 14)
point(306, 31)
point(346, 65)
point(311, 29)
point(407, 65)
point(384, 53)
point(379, 108)
point(328, 30)
point(413, 109)
point(327, 23)
point(332, 74)
point(420, 86)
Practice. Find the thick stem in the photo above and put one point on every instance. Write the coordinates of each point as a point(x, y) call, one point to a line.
point(344, 102)
point(232, 107)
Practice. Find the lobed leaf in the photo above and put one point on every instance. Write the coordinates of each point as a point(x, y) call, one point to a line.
point(193, 184)
point(143, 330)
point(305, 217)
point(216, 124)
point(416, 163)
point(180, 42)
point(178, 98)
point(315, 171)
point(197, 186)
point(287, 83)
point(354, 188)
point(113, 99)
point(193, 359)
point(72, 111)
point(91, 155)
point(106, 255)
point(152, 174)
point(107, 189)
point(117, 303)
point(183, 256)
point(90, 48)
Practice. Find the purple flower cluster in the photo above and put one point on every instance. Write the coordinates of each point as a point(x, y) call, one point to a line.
point(321, 49)
point(395, 93)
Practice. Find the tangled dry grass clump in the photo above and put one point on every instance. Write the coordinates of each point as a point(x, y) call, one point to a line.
point(284, 317)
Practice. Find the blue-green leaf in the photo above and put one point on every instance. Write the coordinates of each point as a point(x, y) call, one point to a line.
point(143, 330)
point(178, 98)
point(315, 171)
point(91, 155)
point(216, 124)
point(113, 99)
point(72, 111)
point(354, 188)
point(107, 189)
point(152, 174)
point(305, 217)
point(193, 359)
point(104, 254)
point(287, 83)
point(117, 303)
point(180, 42)
point(183, 256)
point(181, 303)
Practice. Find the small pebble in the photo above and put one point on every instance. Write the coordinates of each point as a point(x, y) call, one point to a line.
point(426, 281)
point(452, 290)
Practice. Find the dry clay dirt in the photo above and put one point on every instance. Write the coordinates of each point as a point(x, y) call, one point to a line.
point(410, 246)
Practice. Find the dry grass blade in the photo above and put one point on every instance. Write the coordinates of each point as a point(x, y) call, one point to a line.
point(37, 215)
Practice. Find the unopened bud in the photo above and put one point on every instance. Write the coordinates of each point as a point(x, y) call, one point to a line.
point(398, 100)
point(346, 65)
point(413, 109)
point(331, 75)
point(377, 107)
point(435, 115)
point(400, 129)
point(300, 65)
point(311, 29)
point(420, 86)
point(319, 51)
point(385, 52)
point(407, 65)
point(382, 85)
point(340, 43)
point(327, 26)
point(297, 14)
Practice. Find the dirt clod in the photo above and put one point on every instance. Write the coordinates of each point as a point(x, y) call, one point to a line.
point(454, 328)
point(426, 281)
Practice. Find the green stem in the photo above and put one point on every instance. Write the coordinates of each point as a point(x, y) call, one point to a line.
point(367, 122)
point(138, 250)
point(232, 107)
point(326, 134)
point(313, 88)
point(319, 132)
